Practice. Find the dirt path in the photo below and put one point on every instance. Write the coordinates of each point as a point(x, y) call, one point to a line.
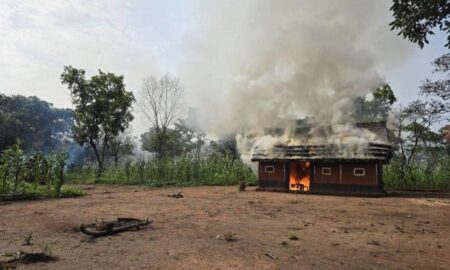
point(334, 232)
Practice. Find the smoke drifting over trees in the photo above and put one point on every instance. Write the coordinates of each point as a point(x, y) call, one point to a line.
point(262, 64)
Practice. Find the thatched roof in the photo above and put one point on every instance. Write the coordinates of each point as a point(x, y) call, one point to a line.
point(377, 150)
point(381, 152)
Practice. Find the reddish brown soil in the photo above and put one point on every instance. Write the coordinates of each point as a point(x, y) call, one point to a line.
point(334, 232)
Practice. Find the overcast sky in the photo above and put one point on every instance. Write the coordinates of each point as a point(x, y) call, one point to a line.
point(133, 38)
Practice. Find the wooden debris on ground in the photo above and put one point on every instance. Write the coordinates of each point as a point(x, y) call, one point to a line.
point(102, 228)
point(271, 256)
point(22, 257)
point(176, 195)
point(34, 257)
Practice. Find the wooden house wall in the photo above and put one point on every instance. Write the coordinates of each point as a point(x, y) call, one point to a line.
point(277, 179)
point(333, 178)
point(343, 173)
point(369, 179)
point(341, 178)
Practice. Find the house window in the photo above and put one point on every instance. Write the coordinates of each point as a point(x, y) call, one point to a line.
point(359, 171)
point(269, 169)
point(326, 171)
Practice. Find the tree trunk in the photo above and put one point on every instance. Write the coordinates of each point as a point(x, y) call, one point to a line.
point(99, 160)
point(161, 138)
point(116, 160)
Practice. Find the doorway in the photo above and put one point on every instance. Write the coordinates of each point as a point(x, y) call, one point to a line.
point(299, 175)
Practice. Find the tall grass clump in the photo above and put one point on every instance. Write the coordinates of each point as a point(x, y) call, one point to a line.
point(33, 176)
point(182, 171)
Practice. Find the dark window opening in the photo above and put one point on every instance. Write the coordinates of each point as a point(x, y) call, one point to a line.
point(326, 171)
point(359, 171)
point(269, 169)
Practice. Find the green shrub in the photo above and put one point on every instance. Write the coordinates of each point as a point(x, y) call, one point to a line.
point(67, 192)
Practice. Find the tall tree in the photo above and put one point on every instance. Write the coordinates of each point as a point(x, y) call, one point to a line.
point(377, 108)
point(416, 19)
point(35, 123)
point(160, 103)
point(439, 90)
point(413, 130)
point(102, 109)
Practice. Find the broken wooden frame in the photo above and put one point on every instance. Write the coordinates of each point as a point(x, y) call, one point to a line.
point(113, 227)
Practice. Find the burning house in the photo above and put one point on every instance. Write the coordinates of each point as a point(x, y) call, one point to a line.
point(326, 167)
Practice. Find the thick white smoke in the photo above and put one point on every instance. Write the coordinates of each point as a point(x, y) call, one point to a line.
point(258, 64)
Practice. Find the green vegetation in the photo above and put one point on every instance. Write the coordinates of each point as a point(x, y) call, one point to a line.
point(102, 109)
point(421, 152)
point(376, 109)
point(417, 178)
point(33, 176)
point(293, 235)
point(35, 123)
point(416, 20)
point(183, 171)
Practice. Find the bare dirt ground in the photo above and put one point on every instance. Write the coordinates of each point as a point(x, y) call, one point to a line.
point(334, 232)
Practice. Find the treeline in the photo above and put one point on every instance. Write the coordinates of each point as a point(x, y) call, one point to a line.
point(100, 147)
point(175, 151)
point(96, 132)
point(176, 148)
point(33, 123)
point(419, 132)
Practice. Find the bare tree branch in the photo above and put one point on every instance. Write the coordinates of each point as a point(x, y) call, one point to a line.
point(160, 103)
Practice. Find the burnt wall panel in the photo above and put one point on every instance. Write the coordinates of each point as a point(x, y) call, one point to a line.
point(364, 174)
point(326, 173)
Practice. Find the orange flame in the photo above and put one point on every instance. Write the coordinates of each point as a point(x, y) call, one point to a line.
point(299, 175)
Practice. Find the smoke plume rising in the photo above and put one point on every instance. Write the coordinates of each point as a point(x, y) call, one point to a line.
point(262, 64)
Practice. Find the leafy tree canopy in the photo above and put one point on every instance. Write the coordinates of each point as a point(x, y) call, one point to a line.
point(226, 146)
point(376, 109)
point(122, 145)
point(439, 88)
point(416, 19)
point(35, 123)
point(178, 140)
point(102, 109)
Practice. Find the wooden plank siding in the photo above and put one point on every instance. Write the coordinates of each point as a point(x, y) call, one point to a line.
point(276, 179)
point(326, 176)
point(370, 178)
point(333, 178)
point(343, 173)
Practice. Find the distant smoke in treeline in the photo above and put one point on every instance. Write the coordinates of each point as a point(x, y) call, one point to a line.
point(262, 64)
